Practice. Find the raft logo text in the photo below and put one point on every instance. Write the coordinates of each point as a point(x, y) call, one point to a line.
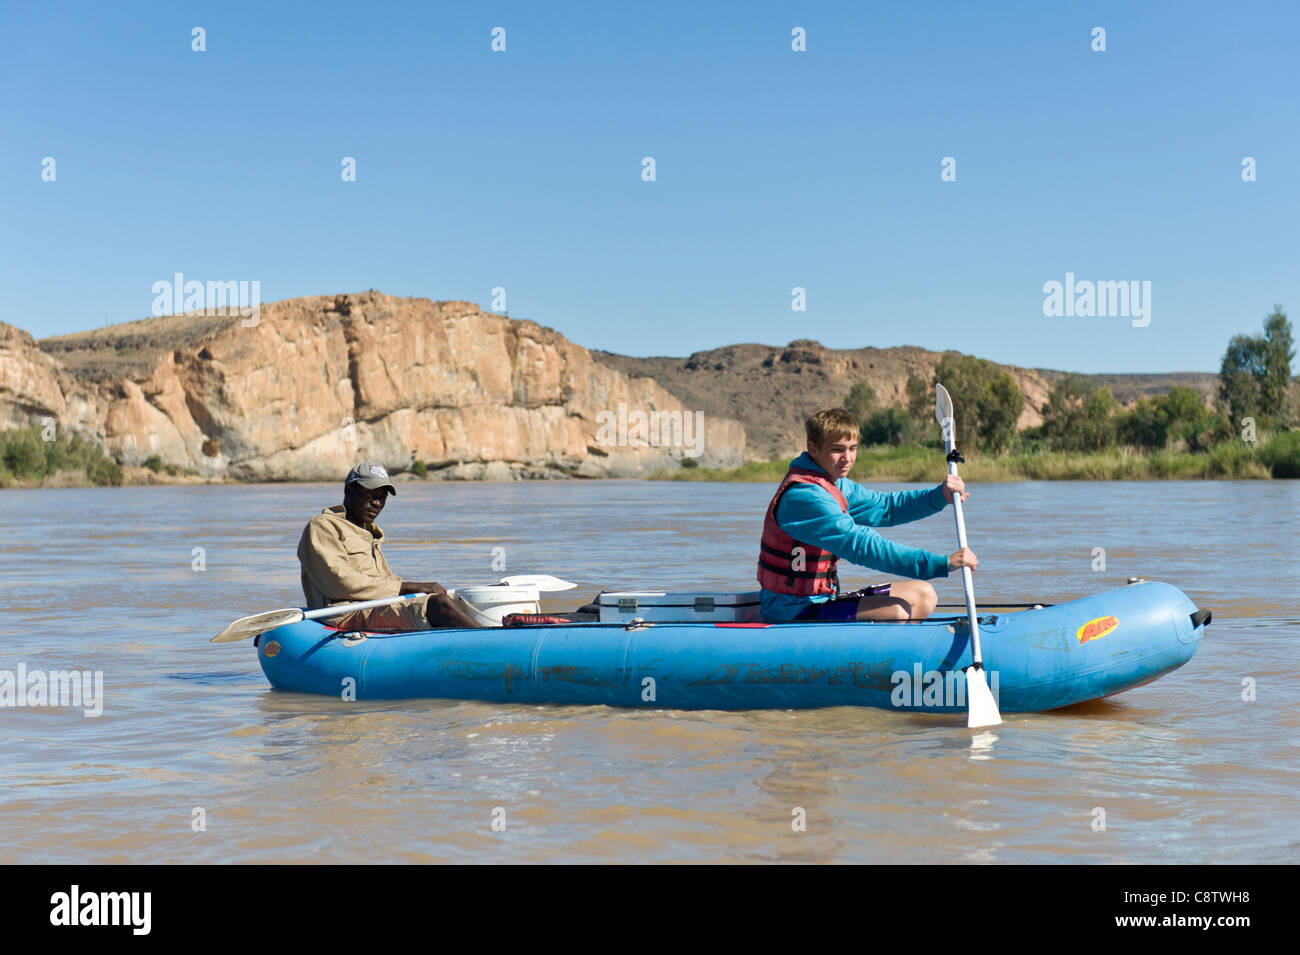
point(179, 297)
point(67, 688)
point(102, 908)
point(934, 688)
point(659, 429)
point(1098, 299)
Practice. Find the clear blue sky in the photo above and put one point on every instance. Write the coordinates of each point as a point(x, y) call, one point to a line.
point(775, 169)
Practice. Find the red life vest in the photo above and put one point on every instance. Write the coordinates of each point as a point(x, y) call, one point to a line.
point(817, 573)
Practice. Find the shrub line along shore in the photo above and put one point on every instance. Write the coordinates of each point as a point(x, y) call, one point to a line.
point(1278, 457)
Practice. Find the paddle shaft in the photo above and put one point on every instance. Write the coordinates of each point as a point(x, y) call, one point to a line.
point(967, 580)
point(540, 581)
point(259, 623)
point(348, 608)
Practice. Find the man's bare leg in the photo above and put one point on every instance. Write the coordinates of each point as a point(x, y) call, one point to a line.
point(443, 612)
point(906, 600)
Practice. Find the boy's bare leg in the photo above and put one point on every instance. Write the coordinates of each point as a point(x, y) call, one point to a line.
point(906, 600)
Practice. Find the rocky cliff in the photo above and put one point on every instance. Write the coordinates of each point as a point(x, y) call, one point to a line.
point(318, 383)
point(315, 384)
point(29, 381)
point(774, 389)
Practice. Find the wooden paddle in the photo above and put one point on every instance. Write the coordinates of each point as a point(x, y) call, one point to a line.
point(981, 708)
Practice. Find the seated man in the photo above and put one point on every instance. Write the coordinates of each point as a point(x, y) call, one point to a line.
point(342, 563)
point(818, 516)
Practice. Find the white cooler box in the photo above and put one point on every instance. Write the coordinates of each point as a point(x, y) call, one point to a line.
point(660, 607)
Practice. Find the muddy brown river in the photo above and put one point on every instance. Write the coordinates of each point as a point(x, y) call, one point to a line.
point(195, 759)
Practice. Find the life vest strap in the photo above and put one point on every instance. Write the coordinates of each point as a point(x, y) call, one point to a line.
point(829, 560)
point(827, 574)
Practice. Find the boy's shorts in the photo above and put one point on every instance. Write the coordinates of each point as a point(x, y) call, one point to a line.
point(843, 607)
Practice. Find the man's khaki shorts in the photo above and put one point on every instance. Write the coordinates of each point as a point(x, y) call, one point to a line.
point(409, 615)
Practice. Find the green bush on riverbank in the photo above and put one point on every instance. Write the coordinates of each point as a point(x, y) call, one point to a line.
point(1282, 455)
point(1278, 457)
point(25, 456)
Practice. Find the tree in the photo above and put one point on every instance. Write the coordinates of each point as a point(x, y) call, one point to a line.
point(920, 404)
point(1279, 351)
point(24, 453)
point(1000, 410)
point(1255, 375)
point(1145, 425)
point(1079, 416)
point(1239, 377)
point(1187, 419)
point(1179, 415)
point(1181, 404)
point(860, 401)
point(987, 402)
point(890, 425)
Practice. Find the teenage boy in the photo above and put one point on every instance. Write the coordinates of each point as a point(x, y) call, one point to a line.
point(818, 516)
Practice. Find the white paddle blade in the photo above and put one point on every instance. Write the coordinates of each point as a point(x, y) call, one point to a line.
point(247, 627)
point(943, 414)
point(942, 403)
point(542, 582)
point(982, 709)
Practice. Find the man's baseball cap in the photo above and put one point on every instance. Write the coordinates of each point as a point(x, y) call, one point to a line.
point(370, 475)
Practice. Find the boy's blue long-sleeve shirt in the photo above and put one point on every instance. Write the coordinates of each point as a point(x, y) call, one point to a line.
point(810, 515)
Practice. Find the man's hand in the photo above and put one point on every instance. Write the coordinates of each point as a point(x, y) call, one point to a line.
point(965, 557)
point(421, 587)
point(953, 484)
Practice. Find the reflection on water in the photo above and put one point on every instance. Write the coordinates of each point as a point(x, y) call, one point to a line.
point(1183, 770)
point(981, 745)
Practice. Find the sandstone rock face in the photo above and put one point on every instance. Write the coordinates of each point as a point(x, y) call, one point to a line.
point(29, 381)
point(316, 384)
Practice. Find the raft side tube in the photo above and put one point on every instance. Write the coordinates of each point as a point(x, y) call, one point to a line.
point(1036, 659)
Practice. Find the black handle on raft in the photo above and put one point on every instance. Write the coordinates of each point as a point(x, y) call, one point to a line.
point(1201, 618)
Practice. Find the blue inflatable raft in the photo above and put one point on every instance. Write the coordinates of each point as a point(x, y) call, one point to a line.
point(1036, 659)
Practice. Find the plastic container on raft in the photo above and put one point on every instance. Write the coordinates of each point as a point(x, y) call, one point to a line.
point(488, 605)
